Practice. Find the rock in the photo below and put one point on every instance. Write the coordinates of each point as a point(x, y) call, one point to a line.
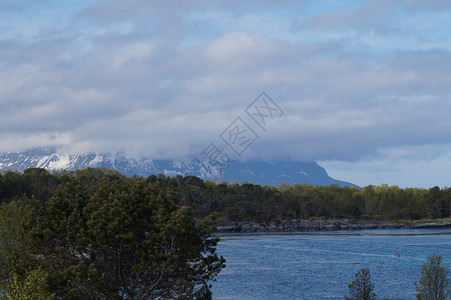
point(307, 225)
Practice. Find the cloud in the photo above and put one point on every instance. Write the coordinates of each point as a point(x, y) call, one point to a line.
point(375, 16)
point(423, 166)
point(418, 5)
point(145, 78)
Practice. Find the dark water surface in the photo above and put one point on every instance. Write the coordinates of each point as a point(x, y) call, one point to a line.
point(320, 265)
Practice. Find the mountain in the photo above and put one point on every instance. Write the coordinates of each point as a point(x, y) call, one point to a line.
point(259, 172)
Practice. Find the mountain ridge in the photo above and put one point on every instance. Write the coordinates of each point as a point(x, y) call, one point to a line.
point(258, 172)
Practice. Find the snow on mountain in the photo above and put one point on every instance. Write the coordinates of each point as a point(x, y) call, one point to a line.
point(260, 172)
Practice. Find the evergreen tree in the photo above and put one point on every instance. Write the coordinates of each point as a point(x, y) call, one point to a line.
point(118, 239)
point(10, 234)
point(14, 284)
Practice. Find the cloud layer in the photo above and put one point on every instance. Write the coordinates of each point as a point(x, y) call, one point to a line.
point(165, 78)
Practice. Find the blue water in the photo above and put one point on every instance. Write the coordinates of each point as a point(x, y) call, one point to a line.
point(320, 265)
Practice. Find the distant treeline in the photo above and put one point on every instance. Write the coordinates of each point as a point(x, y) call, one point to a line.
point(237, 202)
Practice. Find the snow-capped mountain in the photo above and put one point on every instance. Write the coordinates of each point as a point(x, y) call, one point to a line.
point(259, 172)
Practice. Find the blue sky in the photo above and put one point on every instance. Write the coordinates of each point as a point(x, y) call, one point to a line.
point(365, 85)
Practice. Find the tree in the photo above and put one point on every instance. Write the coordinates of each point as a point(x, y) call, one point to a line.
point(10, 233)
point(119, 239)
point(33, 286)
point(434, 283)
point(33, 283)
point(361, 288)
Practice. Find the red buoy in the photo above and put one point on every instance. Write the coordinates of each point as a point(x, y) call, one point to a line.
point(398, 255)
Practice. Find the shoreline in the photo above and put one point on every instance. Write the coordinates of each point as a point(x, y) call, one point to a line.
point(288, 225)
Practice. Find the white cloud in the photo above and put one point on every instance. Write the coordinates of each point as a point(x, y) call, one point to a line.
point(164, 82)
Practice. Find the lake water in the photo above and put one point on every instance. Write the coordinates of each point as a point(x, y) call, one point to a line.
point(320, 265)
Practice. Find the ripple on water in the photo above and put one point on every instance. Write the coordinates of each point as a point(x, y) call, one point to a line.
point(321, 265)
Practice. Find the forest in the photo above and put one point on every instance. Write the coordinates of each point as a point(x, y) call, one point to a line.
point(238, 202)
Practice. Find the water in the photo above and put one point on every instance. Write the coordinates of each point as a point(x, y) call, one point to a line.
point(320, 265)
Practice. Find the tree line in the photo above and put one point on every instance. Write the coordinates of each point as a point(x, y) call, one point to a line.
point(238, 202)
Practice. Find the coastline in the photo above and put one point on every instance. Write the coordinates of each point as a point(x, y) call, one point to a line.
point(287, 225)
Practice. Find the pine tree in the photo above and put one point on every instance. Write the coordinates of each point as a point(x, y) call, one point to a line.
point(116, 239)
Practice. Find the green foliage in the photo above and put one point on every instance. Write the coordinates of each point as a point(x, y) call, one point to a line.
point(33, 283)
point(118, 238)
point(235, 202)
point(33, 286)
point(10, 237)
point(434, 283)
point(361, 288)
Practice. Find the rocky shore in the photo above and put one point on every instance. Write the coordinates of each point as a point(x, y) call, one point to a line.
point(315, 225)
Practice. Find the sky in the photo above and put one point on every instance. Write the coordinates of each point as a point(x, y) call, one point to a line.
point(363, 87)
